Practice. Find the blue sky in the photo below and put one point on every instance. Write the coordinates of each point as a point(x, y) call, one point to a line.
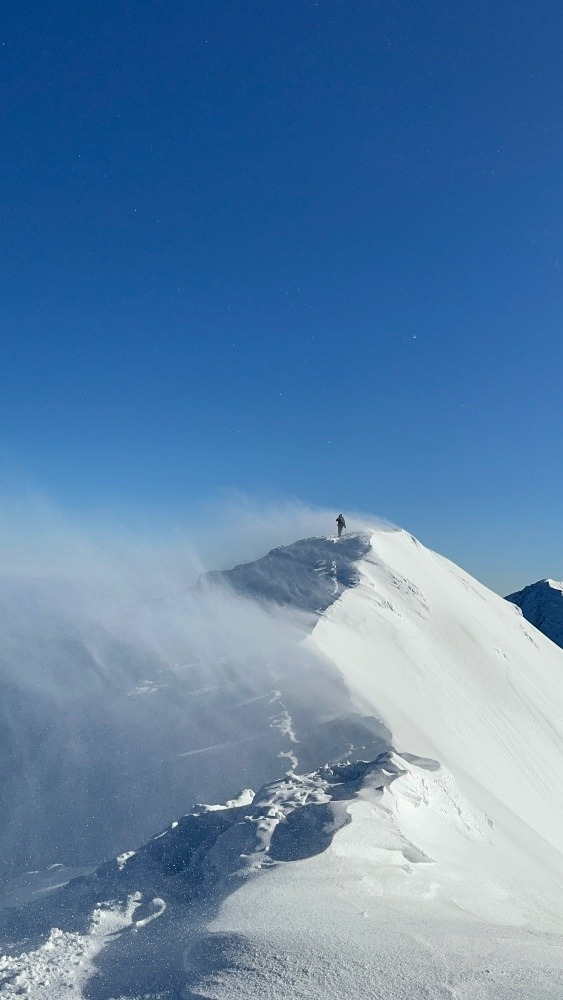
point(309, 249)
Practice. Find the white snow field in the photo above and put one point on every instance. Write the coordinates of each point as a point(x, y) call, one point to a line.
point(407, 841)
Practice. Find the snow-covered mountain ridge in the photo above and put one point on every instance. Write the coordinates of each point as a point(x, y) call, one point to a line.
point(309, 575)
point(456, 674)
point(420, 857)
point(541, 604)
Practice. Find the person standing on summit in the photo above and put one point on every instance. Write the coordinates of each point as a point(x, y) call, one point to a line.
point(341, 523)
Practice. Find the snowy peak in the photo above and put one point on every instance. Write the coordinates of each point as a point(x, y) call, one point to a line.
point(455, 675)
point(309, 575)
point(429, 861)
point(541, 604)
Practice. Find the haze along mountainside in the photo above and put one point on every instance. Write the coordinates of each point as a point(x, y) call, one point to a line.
point(541, 604)
point(423, 858)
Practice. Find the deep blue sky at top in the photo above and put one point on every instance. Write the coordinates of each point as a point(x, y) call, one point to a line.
point(304, 248)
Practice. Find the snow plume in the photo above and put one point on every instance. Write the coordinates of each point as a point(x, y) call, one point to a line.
point(127, 687)
point(236, 528)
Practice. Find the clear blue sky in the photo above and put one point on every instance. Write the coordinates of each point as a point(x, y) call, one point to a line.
point(300, 248)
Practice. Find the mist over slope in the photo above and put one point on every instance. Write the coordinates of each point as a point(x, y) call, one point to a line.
point(404, 728)
point(309, 575)
point(129, 691)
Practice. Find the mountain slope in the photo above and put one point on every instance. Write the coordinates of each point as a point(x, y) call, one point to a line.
point(542, 605)
point(424, 861)
point(457, 674)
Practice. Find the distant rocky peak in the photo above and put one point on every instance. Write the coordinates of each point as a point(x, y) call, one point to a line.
point(541, 604)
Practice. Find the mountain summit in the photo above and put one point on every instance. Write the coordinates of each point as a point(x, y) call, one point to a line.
point(309, 575)
point(541, 604)
point(405, 839)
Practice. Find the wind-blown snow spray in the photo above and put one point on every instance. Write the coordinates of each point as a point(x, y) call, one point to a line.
point(127, 686)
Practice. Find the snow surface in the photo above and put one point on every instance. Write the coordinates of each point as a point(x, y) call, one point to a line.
point(423, 860)
point(456, 674)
